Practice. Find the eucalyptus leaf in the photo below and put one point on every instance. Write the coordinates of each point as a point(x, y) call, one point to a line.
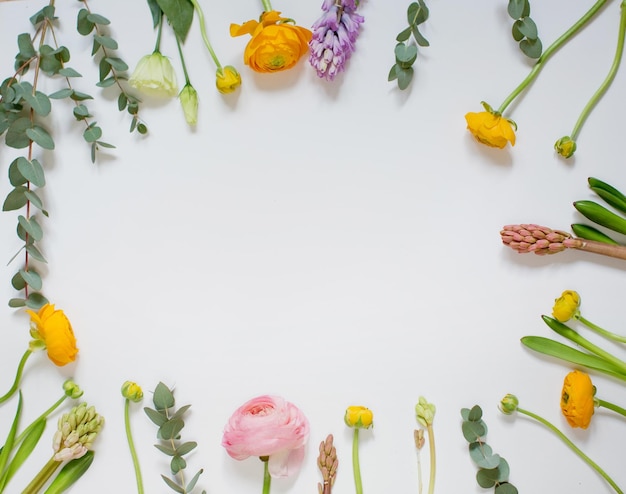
point(81, 112)
point(35, 254)
point(404, 35)
point(16, 199)
point(69, 72)
point(39, 102)
point(15, 177)
point(472, 431)
point(83, 25)
point(417, 13)
point(486, 478)
point(31, 227)
point(479, 451)
point(475, 414)
point(106, 41)
point(40, 136)
point(173, 485)
point(106, 82)
point(532, 48)
point(405, 53)
point(78, 96)
point(92, 133)
point(177, 464)
point(98, 19)
point(32, 279)
point(164, 448)
point(171, 429)
point(192, 483)
point(16, 303)
point(61, 93)
point(505, 488)
point(16, 134)
point(527, 27)
point(516, 8)
point(157, 418)
point(34, 199)
point(404, 77)
point(186, 447)
point(117, 63)
point(31, 171)
point(25, 45)
point(418, 37)
point(36, 301)
point(163, 398)
point(180, 412)
point(156, 12)
point(104, 68)
point(516, 33)
point(17, 281)
point(393, 73)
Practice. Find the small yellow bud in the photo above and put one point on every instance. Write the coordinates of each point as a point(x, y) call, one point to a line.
point(565, 146)
point(132, 391)
point(227, 79)
point(359, 417)
point(509, 404)
point(566, 306)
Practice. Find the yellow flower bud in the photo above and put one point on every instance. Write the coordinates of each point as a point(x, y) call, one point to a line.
point(566, 306)
point(359, 417)
point(188, 98)
point(52, 330)
point(509, 404)
point(565, 146)
point(577, 402)
point(490, 128)
point(227, 79)
point(132, 391)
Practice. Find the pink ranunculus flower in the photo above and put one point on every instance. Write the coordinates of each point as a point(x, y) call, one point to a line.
point(268, 426)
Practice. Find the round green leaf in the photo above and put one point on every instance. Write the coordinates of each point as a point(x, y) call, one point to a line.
point(31, 171)
point(531, 47)
point(41, 137)
point(506, 488)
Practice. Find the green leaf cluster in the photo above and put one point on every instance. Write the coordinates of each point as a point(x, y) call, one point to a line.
point(111, 68)
point(493, 470)
point(179, 14)
point(615, 221)
point(590, 356)
point(406, 50)
point(524, 29)
point(170, 423)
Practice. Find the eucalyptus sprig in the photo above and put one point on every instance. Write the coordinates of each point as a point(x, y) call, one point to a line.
point(524, 29)
point(406, 49)
point(112, 69)
point(601, 215)
point(170, 422)
point(493, 470)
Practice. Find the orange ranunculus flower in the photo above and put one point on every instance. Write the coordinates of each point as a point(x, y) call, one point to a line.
point(276, 43)
point(577, 399)
point(50, 328)
point(491, 128)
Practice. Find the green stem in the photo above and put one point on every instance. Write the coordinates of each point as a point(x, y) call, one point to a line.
point(42, 477)
point(433, 464)
point(267, 6)
point(549, 52)
point(182, 61)
point(18, 377)
point(612, 406)
point(157, 46)
point(609, 78)
point(573, 447)
point(267, 478)
point(198, 10)
point(601, 331)
point(356, 467)
point(131, 446)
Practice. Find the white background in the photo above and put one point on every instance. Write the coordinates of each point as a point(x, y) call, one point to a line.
point(332, 243)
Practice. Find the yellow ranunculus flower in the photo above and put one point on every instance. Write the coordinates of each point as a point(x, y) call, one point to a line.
point(155, 75)
point(276, 44)
point(359, 417)
point(566, 306)
point(491, 129)
point(577, 399)
point(227, 79)
point(52, 328)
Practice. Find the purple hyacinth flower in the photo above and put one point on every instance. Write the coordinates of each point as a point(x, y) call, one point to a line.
point(334, 36)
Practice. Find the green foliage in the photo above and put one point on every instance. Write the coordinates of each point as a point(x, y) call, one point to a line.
point(179, 13)
point(493, 470)
point(524, 29)
point(170, 424)
point(111, 69)
point(600, 215)
point(406, 49)
point(70, 473)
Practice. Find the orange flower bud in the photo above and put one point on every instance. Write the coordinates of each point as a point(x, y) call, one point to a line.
point(52, 328)
point(577, 402)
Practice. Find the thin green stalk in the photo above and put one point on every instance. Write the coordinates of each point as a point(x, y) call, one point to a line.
point(157, 46)
point(198, 10)
point(601, 331)
point(267, 6)
point(131, 446)
point(182, 61)
point(612, 406)
point(573, 447)
point(42, 477)
point(18, 377)
point(609, 78)
point(267, 478)
point(433, 464)
point(356, 467)
point(549, 52)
